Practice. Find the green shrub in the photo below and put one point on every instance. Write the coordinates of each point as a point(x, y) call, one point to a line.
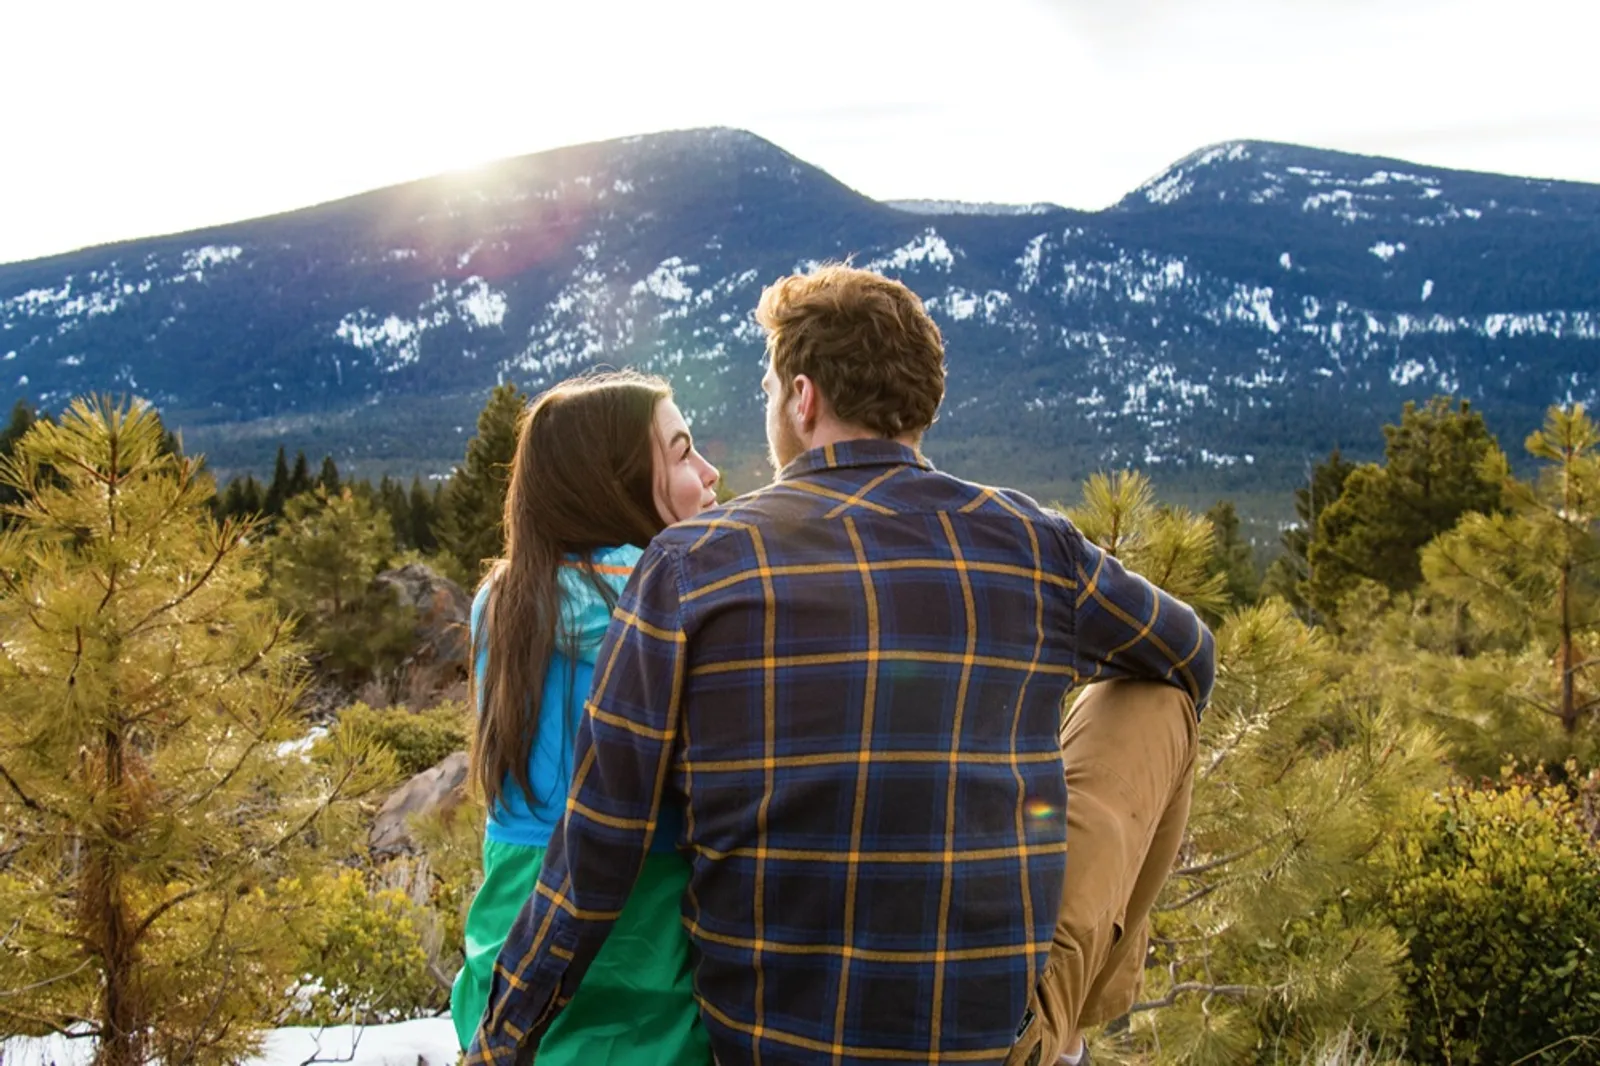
point(418, 739)
point(1497, 893)
point(363, 960)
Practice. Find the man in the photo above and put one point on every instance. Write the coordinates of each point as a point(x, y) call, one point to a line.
point(852, 680)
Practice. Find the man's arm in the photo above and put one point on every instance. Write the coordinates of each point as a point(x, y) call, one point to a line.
point(623, 753)
point(1126, 627)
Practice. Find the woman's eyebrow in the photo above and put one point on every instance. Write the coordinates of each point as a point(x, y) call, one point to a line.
point(681, 435)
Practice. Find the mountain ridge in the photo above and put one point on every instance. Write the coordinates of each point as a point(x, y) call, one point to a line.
point(1226, 320)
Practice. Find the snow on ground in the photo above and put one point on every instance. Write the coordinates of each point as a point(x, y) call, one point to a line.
point(421, 1042)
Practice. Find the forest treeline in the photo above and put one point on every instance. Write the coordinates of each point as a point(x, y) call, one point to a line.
point(1392, 857)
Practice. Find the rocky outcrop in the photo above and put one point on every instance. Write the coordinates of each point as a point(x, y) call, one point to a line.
point(441, 788)
point(439, 663)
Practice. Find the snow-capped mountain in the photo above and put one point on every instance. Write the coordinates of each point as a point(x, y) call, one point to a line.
point(1248, 308)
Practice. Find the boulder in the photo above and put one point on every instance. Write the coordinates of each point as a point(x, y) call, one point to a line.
point(439, 788)
point(443, 644)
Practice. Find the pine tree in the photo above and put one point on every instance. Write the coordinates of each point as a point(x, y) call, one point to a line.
point(241, 499)
point(300, 478)
point(1300, 775)
point(251, 498)
point(1169, 546)
point(391, 497)
point(1286, 577)
point(1254, 956)
point(471, 527)
point(147, 806)
point(278, 491)
point(325, 554)
point(1529, 580)
point(1233, 557)
point(328, 476)
point(22, 419)
point(1375, 531)
point(423, 507)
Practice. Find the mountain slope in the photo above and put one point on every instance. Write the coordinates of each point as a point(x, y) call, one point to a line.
point(1252, 306)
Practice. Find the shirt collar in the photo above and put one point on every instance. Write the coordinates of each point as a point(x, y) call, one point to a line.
point(871, 451)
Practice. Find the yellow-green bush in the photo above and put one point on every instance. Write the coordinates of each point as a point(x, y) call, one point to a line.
point(453, 844)
point(1497, 893)
point(363, 957)
point(418, 739)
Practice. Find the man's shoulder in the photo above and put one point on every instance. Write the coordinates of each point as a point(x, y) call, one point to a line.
point(784, 505)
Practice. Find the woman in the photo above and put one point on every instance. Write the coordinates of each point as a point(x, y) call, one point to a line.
point(603, 464)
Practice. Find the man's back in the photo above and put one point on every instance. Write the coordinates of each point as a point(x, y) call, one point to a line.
point(875, 656)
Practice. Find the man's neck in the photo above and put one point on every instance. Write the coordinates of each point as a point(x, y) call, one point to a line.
point(839, 433)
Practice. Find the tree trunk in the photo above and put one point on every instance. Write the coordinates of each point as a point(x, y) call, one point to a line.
point(1569, 699)
point(1569, 702)
point(109, 928)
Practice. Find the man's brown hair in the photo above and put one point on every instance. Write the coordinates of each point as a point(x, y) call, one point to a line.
point(866, 342)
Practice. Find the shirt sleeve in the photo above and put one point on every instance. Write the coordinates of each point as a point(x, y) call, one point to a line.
point(622, 758)
point(1128, 628)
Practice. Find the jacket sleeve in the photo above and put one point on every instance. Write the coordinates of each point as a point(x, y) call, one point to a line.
point(622, 758)
point(1128, 628)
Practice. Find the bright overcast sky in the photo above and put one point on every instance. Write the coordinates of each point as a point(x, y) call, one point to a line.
point(139, 117)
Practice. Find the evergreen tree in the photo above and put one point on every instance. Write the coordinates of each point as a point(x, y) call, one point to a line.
point(300, 478)
point(1529, 577)
point(147, 807)
point(470, 527)
point(328, 476)
point(22, 419)
point(278, 491)
point(391, 497)
point(1254, 957)
point(1257, 956)
point(1233, 557)
point(325, 554)
point(242, 498)
point(1286, 577)
point(423, 509)
point(1433, 473)
point(172, 443)
point(1168, 545)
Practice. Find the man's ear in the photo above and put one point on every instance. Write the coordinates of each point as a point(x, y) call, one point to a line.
point(807, 401)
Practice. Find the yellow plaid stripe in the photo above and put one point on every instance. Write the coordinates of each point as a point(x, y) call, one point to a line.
point(944, 566)
point(895, 655)
point(841, 758)
point(852, 858)
point(758, 1032)
point(858, 856)
point(902, 958)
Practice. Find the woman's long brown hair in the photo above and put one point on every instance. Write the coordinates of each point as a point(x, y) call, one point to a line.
point(583, 479)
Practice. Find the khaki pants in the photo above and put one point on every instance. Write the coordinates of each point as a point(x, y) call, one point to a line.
point(1128, 750)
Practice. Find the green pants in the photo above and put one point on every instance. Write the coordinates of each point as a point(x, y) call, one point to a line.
point(636, 1005)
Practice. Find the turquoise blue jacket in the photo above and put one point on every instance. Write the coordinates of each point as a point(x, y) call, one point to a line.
point(585, 616)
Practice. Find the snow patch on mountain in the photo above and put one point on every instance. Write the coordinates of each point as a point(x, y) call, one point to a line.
point(1341, 204)
point(927, 249)
point(195, 261)
point(959, 305)
point(963, 207)
point(1032, 255)
point(395, 341)
point(666, 282)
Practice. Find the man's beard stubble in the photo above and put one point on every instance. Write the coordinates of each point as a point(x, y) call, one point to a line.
point(784, 445)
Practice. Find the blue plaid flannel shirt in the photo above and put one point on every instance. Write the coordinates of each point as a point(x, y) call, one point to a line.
point(852, 681)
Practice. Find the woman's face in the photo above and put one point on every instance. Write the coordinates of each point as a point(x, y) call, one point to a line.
point(685, 483)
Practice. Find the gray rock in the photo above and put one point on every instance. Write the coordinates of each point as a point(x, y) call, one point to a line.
point(439, 788)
